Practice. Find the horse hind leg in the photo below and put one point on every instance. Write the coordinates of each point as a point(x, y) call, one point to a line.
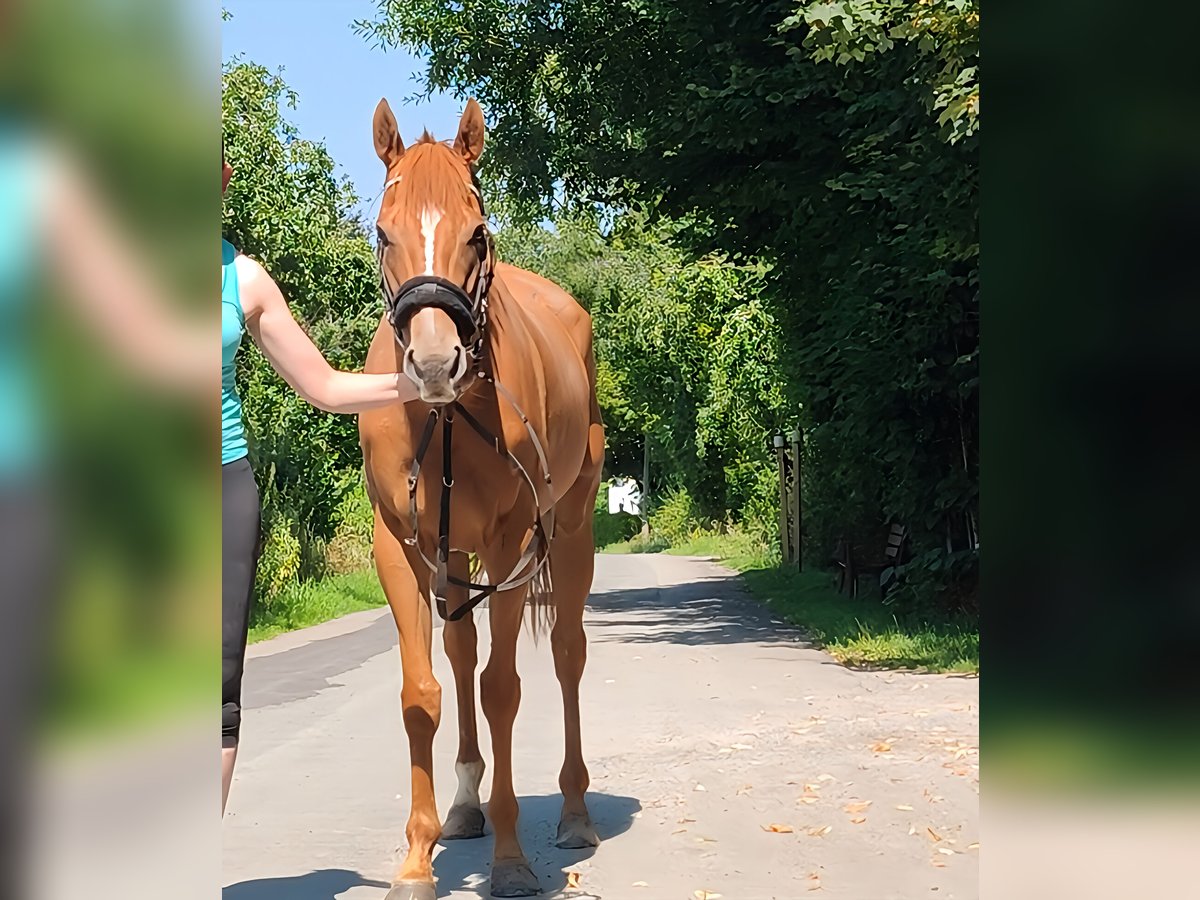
point(500, 693)
point(465, 819)
point(572, 560)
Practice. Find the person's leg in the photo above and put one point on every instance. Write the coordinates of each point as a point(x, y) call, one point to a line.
point(240, 523)
point(29, 563)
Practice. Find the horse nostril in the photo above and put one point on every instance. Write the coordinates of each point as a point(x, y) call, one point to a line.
point(459, 369)
point(415, 369)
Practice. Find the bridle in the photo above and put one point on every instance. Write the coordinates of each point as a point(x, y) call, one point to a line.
point(467, 307)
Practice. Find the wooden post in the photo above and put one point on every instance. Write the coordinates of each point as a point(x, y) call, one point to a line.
point(784, 538)
point(645, 510)
point(797, 440)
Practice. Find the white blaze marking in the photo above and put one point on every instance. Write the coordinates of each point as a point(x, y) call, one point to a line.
point(470, 776)
point(429, 222)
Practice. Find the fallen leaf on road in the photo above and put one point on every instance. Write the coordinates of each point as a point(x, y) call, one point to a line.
point(699, 787)
point(573, 879)
point(857, 821)
point(777, 828)
point(826, 778)
point(946, 850)
point(808, 799)
point(857, 807)
point(882, 747)
point(933, 835)
point(745, 789)
point(684, 821)
point(905, 807)
point(820, 831)
point(741, 747)
point(974, 846)
point(938, 863)
point(814, 881)
point(810, 787)
point(912, 829)
point(679, 831)
point(705, 895)
point(641, 884)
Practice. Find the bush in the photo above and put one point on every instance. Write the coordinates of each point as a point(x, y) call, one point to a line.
point(608, 529)
point(675, 518)
point(350, 549)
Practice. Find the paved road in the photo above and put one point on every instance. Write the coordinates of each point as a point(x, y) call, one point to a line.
point(705, 722)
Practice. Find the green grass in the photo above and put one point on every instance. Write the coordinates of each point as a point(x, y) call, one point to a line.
point(314, 602)
point(860, 632)
point(139, 690)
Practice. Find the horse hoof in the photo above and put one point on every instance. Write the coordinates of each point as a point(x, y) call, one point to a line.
point(514, 879)
point(463, 823)
point(412, 890)
point(576, 832)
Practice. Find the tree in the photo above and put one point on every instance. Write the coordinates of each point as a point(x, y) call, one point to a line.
point(836, 142)
point(286, 209)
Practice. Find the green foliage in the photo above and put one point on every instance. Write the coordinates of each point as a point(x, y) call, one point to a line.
point(835, 147)
point(609, 528)
point(285, 208)
point(686, 352)
point(675, 517)
point(299, 605)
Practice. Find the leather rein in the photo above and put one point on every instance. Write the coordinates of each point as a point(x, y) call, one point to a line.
point(468, 309)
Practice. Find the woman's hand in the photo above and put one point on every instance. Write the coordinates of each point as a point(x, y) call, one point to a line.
point(294, 356)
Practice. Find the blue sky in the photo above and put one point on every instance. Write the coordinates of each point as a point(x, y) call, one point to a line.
point(338, 77)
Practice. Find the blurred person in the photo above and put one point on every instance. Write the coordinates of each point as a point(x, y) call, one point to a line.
point(54, 226)
point(251, 301)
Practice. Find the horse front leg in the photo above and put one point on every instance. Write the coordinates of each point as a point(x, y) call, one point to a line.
point(421, 701)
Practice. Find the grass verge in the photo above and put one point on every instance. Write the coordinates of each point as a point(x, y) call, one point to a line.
point(859, 632)
point(314, 602)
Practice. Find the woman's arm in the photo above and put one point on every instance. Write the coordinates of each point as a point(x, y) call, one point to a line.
point(297, 359)
point(111, 286)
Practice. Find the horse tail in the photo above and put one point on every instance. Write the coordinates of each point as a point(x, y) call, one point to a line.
point(541, 601)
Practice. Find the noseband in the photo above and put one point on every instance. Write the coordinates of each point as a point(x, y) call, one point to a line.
point(469, 313)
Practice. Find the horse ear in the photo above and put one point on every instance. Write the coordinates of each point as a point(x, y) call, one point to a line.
point(470, 132)
point(387, 134)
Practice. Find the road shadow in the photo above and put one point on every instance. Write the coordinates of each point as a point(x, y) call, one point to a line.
point(711, 611)
point(326, 884)
point(465, 865)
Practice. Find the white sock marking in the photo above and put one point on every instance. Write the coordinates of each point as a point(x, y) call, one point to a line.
point(470, 777)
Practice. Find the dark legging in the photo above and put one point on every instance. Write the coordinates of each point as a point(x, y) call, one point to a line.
point(30, 560)
point(240, 527)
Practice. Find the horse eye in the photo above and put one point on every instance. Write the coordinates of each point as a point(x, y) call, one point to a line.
point(382, 237)
point(480, 235)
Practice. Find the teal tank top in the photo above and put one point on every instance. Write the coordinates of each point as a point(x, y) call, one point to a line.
point(233, 323)
point(20, 425)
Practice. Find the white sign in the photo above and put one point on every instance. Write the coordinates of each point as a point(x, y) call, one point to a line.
point(624, 496)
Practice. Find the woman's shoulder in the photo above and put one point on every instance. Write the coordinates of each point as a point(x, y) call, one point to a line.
point(255, 285)
point(249, 270)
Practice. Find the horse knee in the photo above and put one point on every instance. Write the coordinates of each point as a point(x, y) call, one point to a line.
point(422, 701)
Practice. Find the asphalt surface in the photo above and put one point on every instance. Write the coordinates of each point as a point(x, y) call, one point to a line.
point(728, 757)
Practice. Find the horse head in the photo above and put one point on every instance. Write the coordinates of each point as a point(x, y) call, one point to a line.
point(435, 252)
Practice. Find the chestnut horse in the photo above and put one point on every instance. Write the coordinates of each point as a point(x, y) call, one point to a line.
point(507, 357)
